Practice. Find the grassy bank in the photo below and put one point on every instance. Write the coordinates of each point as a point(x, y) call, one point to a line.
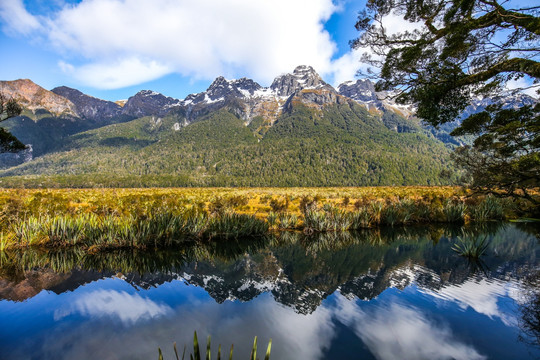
point(105, 218)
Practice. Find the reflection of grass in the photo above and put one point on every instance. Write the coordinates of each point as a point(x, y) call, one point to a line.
point(129, 260)
point(63, 260)
point(197, 352)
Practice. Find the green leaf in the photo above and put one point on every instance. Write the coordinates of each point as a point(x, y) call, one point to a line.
point(176, 351)
point(208, 356)
point(267, 357)
point(254, 350)
point(196, 351)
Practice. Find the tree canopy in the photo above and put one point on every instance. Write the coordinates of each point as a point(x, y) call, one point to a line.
point(9, 108)
point(453, 52)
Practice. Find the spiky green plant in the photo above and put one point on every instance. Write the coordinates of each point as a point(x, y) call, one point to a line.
point(376, 209)
point(454, 212)
point(3, 241)
point(491, 208)
point(233, 225)
point(287, 221)
point(272, 219)
point(196, 355)
point(360, 219)
point(471, 247)
point(390, 215)
point(64, 229)
point(316, 220)
point(29, 231)
point(330, 218)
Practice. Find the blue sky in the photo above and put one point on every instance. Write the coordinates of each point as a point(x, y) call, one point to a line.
point(113, 48)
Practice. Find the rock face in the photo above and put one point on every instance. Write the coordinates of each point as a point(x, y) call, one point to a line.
point(363, 92)
point(244, 97)
point(359, 90)
point(303, 77)
point(222, 89)
point(248, 99)
point(90, 107)
point(509, 101)
point(33, 97)
point(146, 103)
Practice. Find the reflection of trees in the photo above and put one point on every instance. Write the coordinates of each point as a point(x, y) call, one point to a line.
point(299, 270)
point(13, 263)
point(529, 322)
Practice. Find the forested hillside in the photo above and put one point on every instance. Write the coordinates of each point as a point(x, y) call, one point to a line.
point(340, 145)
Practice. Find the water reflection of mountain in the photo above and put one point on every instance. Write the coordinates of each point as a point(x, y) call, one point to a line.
point(299, 271)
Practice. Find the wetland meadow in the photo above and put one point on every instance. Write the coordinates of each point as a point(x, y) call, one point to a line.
point(430, 272)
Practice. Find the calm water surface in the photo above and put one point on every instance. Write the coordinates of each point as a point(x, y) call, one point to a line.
point(389, 294)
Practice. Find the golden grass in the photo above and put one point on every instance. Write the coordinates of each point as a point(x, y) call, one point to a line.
point(128, 201)
point(118, 216)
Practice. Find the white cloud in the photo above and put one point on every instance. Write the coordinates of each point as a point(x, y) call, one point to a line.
point(238, 324)
point(126, 307)
point(394, 23)
point(346, 67)
point(524, 83)
point(402, 332)
point(114, 75)
point(481, 295)
point(16, 19)
point(200, 39)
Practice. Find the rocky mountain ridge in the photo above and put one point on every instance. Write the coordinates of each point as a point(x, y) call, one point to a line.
point(35, 98)
point(89, 107)
point(246, 97)
point(301, 103)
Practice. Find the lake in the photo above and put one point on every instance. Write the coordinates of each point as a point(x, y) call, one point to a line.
point(381, 294)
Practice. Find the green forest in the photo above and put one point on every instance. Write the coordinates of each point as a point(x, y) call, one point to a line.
point(341, 145)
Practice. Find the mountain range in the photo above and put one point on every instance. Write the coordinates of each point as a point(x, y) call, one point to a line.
point(299, 131)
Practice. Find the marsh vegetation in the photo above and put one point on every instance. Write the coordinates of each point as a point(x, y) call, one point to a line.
point(156, 218)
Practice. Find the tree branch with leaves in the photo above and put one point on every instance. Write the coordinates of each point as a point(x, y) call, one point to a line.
point(9, 108)
point(458, 50)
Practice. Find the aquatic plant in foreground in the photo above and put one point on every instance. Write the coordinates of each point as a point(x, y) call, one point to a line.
point(197, 352)
point(471, 247)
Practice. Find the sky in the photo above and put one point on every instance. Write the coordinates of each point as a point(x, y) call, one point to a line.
point(112, 49)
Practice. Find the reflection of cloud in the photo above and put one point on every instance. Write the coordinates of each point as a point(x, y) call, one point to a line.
point(228, 323)
point(400, 332)
point(129, 308)
point(480, 295)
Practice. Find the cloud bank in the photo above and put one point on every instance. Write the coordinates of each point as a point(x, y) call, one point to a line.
point(117, 43)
